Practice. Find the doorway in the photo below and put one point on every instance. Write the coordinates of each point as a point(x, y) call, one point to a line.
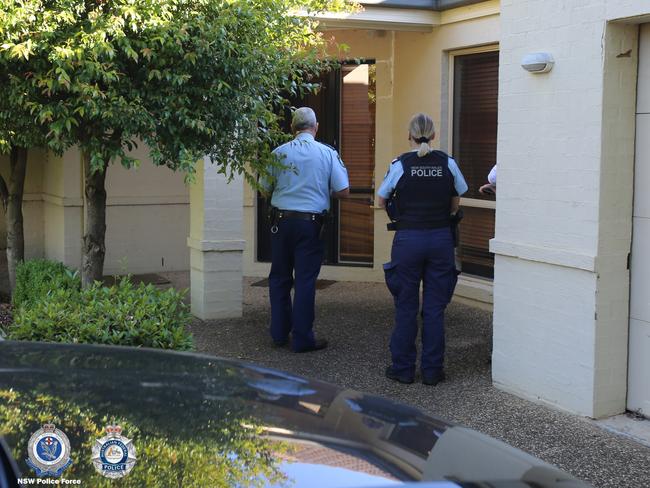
point(345, 106)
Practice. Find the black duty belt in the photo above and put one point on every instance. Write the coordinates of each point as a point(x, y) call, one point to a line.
point(400, 225)
point(293, 214)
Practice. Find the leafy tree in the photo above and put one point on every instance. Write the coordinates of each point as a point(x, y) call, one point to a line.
point(12, 202)
point(17, 134)
point(185, 77)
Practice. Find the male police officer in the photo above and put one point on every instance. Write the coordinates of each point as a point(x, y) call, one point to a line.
point(426, 186)
point(312, 173)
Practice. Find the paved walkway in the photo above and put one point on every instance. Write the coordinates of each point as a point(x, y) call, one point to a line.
point(357, 318)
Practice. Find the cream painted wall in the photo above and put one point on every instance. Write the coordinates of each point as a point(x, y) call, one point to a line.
point(146, 238)
point(147, 214)
point(63, 208)
point(563, 225)
point(412, 70)
point(422, 72)
point(638, 396)
point(32, 203)
point(147, 220)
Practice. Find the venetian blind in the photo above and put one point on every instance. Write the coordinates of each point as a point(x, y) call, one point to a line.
point(476, 84)
point(358, 152)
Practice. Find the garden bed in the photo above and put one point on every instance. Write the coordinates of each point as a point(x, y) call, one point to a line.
point(6, 316)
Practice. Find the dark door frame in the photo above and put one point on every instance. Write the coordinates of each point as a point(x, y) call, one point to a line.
point(328, 112)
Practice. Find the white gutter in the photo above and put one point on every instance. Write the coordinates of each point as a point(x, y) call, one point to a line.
point(405, 19)
point(397, 19)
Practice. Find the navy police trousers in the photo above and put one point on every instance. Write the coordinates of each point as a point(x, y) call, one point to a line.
point(420, 256)
point(295, 247)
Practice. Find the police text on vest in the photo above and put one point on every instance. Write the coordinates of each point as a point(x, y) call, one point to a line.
point(426, 171)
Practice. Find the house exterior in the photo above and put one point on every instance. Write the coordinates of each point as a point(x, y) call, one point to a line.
point(563, 253)
point(572, 243)
point(411, 60)
point(147, 216)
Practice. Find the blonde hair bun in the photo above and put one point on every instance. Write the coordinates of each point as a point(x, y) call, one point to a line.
point(422, 130)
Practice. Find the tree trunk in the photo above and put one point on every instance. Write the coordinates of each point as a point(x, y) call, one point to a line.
point(15, 233)
point(94, 248)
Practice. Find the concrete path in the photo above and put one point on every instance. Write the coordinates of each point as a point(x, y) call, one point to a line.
point(357, 319)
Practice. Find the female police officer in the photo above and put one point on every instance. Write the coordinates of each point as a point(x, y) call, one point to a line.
point(423, 187)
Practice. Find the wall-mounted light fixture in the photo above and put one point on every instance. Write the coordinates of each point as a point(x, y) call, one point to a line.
point(537, 63)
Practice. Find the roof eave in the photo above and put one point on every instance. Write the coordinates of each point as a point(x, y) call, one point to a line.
point(435, 5)
point(382, 19)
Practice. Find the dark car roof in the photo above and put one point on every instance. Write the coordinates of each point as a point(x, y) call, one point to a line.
point(260, 423)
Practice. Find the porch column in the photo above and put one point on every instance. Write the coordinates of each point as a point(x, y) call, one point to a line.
point(564, 207)
point(63, 208)
point(216, 244)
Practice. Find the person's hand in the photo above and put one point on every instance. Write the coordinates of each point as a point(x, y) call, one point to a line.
point(488, 189)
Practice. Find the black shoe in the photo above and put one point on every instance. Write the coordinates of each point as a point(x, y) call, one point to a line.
point(434, 378)
point(390, 374)
point(281, 343)
point(318, 345)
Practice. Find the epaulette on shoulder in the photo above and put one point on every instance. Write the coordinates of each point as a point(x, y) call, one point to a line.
point(399, 158)
point(327, 145)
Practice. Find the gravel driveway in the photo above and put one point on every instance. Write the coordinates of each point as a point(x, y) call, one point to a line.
point(357, 318)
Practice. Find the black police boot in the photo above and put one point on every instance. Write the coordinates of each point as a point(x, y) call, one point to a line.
point(281, 343)
point(318, 345)
point(434, 378)
point(390, 374)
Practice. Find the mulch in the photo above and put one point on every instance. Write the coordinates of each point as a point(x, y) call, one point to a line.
point(147, 279)
point(6, 317)
point(5, 311)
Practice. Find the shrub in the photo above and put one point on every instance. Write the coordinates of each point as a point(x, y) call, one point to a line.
point(123, 314)
point(38, 278)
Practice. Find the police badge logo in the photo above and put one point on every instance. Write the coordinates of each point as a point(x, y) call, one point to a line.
point(48, 451)
point(114, 454)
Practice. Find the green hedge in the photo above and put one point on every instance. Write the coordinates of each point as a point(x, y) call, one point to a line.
point(36, 279)
point(122, 314)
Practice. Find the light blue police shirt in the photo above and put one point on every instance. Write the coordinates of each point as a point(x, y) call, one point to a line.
point(311, 171)
point(396, 171)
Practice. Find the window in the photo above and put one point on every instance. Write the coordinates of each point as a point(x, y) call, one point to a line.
point(474, 146)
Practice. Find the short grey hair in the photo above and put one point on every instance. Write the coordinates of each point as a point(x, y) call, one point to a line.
point(303, 118)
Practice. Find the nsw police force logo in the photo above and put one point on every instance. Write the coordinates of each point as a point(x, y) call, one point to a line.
point(48, 451)
point(114, 454)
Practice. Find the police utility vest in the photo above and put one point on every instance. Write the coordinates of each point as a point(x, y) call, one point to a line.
point(422, 196)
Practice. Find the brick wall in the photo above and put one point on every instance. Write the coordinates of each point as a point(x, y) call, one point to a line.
point(564, 205)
